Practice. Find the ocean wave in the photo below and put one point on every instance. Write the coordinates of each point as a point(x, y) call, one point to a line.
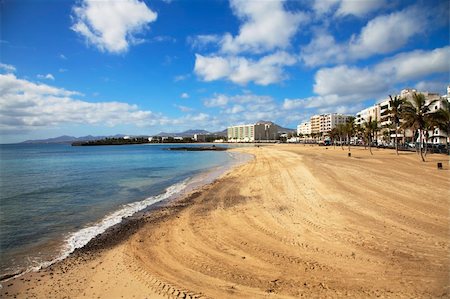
point(82, 237)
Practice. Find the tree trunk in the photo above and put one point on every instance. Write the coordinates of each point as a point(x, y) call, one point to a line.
point(370, 145)
point(340, 140)
point(348, 136)
point(420, 142)
point(396, 139)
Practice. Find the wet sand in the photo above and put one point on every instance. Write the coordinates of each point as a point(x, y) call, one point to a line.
point(297, 221)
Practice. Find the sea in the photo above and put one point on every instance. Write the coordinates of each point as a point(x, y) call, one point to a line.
point(54, 198)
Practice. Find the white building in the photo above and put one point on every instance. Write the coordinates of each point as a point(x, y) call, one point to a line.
point(366, 114)
point(380, 112)
point(324, 123)
point(434, 136)
point(304, 128)
point(200, 137)
point(262, 131)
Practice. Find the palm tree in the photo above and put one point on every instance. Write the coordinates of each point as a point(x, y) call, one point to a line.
point(441, 119)
point(333, 135)
point(395, 111)
point(370, 128)
point(350, 129)
point(415, 114)
point(341, 132)
point(359, 129)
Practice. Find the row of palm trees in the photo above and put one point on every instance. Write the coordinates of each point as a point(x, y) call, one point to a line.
point(415, 115)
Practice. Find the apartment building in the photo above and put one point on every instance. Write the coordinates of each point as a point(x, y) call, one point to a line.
point(436, 136)
point(324, 123)
point(261, 131)
point(366, 114)
point(304, 128)
point(381, 113)
point(315, 124)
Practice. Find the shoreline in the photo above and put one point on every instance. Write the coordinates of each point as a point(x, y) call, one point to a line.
point(279, 226)
point(108, 236)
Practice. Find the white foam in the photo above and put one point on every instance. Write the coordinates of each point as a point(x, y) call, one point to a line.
point(83, 236)
point(80, 238)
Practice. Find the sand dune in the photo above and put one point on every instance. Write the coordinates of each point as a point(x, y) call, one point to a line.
point(297, 221)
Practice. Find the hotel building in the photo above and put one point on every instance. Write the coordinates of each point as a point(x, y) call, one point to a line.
point(366, 114)
point(261, 131)
point(304, 128)
point(324, 123)
point(380, 112)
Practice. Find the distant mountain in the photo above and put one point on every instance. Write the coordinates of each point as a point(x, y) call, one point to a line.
point(70, 139)
point(221, 133)
point(188, 133)
point(280, 129)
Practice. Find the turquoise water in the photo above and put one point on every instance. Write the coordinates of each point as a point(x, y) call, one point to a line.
point(55, 197)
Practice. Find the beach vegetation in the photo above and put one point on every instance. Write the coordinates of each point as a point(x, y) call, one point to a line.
point(350, 129)
point(396, 105)
point(334, 134)
point(441, 120)
point(370, 128)
point(416, 116)
point(341, 130)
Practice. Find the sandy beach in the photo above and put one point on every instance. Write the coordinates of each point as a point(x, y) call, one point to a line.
point(296, 221)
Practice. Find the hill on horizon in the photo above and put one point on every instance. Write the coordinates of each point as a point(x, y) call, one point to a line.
point(187, 133)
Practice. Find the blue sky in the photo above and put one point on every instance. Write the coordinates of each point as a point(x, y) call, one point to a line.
point(141, 67)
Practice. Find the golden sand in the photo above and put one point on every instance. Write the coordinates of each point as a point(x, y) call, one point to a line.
point(295, 221)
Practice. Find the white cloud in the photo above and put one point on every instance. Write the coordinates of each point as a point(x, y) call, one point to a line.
point(217, 101)
point(201, 41)
point(62, 56)
point(112, 25)
point(8, 68)
point(383, 34)
point(183, 108)
point(25, 105)
point(235, 109)
point(184, 95)
point(323, 49)
point(267, 26)
point(267, 70)
point(245, 108)
point(349, 81)
point(340, 8)
point(164, 38)
point(416, 64)
point(432, 86)
point(343, 86)
point(47, 77)
point(358, 8)
point(266, 30)
point(211, 68)
point(388, 33)
point(181, 77)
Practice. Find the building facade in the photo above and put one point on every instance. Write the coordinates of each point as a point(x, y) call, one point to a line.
point(365, 115)
point(435, 136)
point(381, 113)
point(261, 131)
point(304, 128)
point(200, 137)
point(324, 123)
point(315, 124)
